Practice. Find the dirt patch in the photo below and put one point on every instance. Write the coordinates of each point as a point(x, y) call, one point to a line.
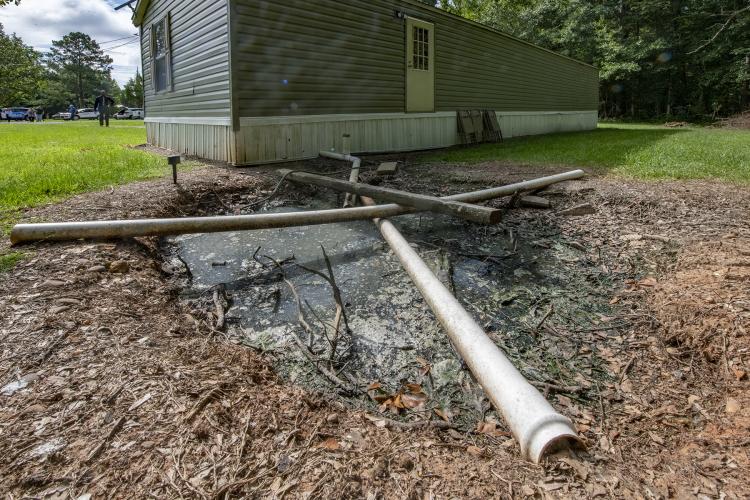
point(740, 121)
point(112, 385)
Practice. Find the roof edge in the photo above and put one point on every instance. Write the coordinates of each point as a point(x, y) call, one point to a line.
point(140, 12)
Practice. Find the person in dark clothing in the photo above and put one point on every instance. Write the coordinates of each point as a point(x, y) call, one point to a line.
point(102, 105)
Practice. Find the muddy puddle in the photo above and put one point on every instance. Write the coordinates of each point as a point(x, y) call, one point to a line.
point(508, 276)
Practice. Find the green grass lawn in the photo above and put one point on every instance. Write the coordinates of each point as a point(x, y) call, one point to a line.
point(9, 259)
point(42, 162)
point(632, 150)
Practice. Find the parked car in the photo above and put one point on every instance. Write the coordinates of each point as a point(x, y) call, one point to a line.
point(17, 114)
point(87, 114)
point(129, 114)
point(61, 116)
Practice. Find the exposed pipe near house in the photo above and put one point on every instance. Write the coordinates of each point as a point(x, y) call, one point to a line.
point(468, 211)
point(537, 427)
point(63, 231)
point(349, 199)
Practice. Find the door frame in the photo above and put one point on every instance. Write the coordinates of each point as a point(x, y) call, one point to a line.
point(409, 24)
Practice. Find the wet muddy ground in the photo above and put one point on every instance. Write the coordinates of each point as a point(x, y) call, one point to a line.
point(633, 320)
point(521, 278)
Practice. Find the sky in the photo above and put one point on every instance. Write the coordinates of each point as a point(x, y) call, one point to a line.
point(38, 22)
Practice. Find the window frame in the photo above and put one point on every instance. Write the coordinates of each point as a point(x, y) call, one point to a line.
point(166, 21)
point(421, 48)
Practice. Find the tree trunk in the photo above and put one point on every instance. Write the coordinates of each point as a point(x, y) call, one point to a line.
point(745, 91)
point(80, 90)
point(669, 97)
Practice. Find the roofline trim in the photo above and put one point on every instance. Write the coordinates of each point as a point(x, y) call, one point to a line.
point(140, 12)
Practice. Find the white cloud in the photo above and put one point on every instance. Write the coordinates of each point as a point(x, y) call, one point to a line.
point(38, 22)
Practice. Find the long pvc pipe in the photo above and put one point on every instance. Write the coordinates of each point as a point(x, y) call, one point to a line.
point(537, 427)
point(62, 231)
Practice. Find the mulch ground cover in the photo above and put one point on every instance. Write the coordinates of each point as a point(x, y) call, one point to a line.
point(111, 386)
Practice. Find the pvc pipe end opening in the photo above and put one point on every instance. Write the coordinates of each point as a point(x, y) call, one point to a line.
point(551, 433)
point(561, 443)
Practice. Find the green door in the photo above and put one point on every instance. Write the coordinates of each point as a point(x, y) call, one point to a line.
point(420, 66)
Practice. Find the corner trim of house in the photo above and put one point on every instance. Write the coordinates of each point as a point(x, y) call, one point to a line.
point(202, 120)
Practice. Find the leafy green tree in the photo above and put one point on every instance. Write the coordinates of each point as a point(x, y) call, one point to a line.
point(21, 73)
point(80, 65)
point(132, 93)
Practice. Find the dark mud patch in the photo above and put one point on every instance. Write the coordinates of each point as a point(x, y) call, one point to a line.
point(540, 296)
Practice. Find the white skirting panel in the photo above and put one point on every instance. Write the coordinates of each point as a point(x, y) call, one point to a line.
point(205, 140)
point(520, 123)
point(285, 138)
point(292, 138)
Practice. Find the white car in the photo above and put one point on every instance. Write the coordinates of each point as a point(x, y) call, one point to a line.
point(130, 114)
point(87, 114)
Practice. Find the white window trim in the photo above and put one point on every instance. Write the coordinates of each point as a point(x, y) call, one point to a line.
point(168, 56)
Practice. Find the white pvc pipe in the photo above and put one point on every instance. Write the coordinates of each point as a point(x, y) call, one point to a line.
point(537, 427)
point(349, 199)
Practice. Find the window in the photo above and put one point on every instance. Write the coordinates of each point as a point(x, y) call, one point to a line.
point(421, 57)
point(161, 56)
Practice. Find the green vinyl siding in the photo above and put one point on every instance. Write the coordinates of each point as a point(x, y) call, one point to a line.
point(478, 68)
point(316, 57)
point(199, 31)
point(301, 57)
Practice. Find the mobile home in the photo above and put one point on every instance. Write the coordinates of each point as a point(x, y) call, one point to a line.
point(253, 81)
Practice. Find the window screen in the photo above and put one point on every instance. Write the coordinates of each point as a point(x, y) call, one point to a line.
point(421, 37)
point(160, 51)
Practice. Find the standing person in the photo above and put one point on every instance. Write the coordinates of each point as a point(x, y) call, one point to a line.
point(102, 104)
point(39, 115)
point(72, 110)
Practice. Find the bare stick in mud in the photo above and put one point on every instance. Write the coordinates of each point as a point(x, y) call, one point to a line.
point(340, 310)
point(221, 305)
point(314, 360)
